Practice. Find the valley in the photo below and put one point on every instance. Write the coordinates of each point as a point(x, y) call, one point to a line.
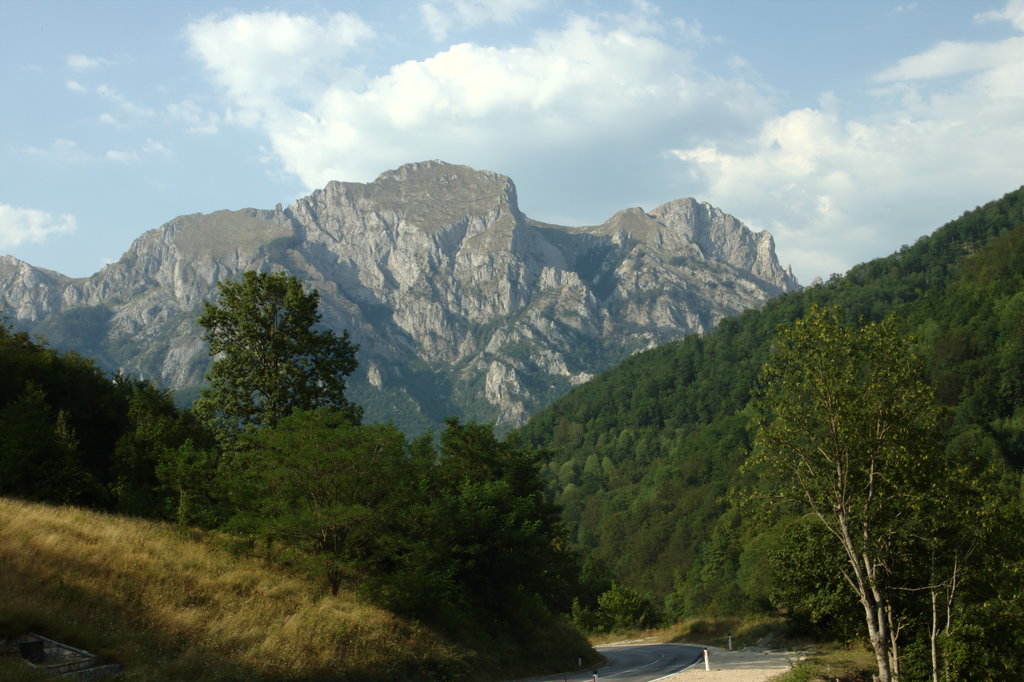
point(651, 493)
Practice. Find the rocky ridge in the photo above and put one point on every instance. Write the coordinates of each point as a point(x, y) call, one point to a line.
point(460, 303)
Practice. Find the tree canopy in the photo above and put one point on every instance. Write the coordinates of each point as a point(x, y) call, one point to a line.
point(457, 533)
point(71, 434)
point(269, 357)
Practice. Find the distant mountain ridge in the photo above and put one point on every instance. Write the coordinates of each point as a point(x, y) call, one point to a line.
point(460, 303)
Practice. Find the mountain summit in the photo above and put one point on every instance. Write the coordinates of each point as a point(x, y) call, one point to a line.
point(460, 303)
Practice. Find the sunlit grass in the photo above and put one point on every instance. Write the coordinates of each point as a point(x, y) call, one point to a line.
point(846, 664)
point(170, 607)
point(752, 631)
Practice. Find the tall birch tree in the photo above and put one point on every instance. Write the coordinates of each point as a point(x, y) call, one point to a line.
point(846, 431)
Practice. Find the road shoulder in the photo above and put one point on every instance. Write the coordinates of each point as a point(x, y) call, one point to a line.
point(747, 665)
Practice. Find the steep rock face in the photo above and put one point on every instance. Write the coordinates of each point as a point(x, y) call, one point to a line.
point(460, 303)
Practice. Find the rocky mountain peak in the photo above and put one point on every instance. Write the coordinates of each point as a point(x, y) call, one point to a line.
point(460, 303)
point(720, 236)
point(429, 195)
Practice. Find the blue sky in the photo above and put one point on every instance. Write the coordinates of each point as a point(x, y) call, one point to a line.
point(845, 128)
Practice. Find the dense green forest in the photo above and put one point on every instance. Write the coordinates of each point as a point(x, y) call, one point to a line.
point(71, 434)
point(647, 459)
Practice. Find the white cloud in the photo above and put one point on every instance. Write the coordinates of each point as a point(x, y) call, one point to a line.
point(75, 86)
point(952, 58)
point(197, 120)
point(262, 57)
point(20, 225)
point(832, 189)
point(109, 120)
point(578, 91)
point(81, 62)
point(615, 101)
point(65, 151)
point(692, 31)
point(441, 16)
point(437, 22)
point(121, 156)
point(908, 7)
point(152, 146)
point(122, 102)
point(1012, 12)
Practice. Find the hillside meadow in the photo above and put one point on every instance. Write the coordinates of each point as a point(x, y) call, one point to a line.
point(168, 606)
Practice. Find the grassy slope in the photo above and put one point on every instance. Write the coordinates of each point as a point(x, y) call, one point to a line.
point(167, 607)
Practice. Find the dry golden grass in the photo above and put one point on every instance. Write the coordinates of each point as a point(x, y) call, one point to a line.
point(749, 631)
point(834, 662)
point(168, 607)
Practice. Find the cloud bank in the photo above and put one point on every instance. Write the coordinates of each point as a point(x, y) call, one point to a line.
point(592, 89)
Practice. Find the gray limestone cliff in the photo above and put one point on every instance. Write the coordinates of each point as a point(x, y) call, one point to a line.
point(461, 305)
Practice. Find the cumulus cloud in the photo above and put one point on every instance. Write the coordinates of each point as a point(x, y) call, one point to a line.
point(20, 225)
point(441, 16)
point(261, 58)
point(592, 86)
point(75, 86)
point(833, 188)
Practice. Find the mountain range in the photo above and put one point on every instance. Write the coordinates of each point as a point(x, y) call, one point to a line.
point(460, 303)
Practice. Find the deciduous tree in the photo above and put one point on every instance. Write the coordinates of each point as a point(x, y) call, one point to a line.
point(270, 359)
point(846, 431)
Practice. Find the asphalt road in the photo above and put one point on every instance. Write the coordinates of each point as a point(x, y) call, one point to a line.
point(636, 663)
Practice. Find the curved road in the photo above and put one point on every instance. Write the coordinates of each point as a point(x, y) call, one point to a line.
point(636, 663)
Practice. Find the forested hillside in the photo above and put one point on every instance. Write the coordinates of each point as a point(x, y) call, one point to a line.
point(647, 457)
point(454, 534)
point(72, 434)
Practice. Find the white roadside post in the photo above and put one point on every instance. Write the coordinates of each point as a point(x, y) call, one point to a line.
point(730, 641)
point(707, 661)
